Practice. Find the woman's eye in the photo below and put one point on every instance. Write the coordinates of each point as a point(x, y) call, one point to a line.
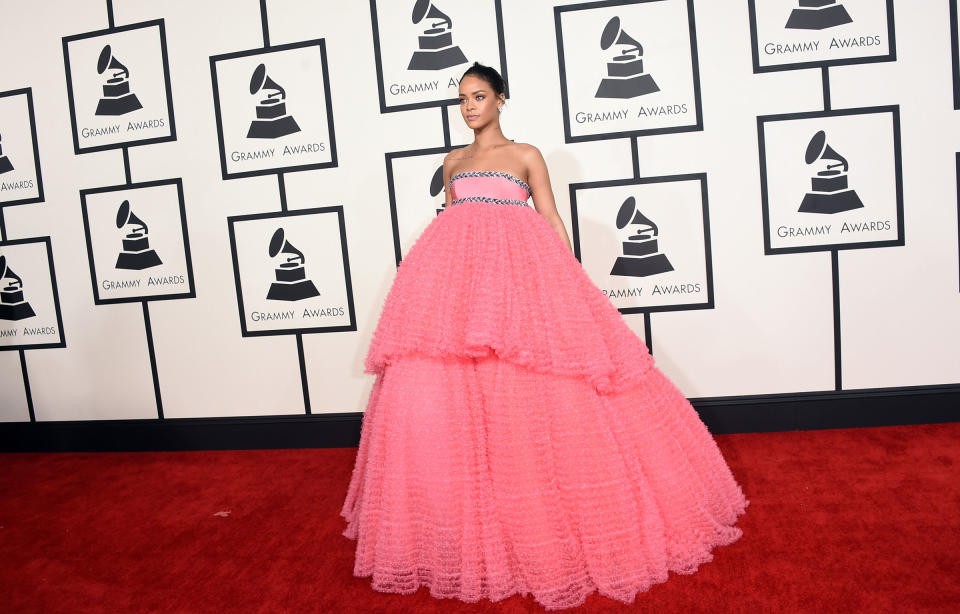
point(480, 97)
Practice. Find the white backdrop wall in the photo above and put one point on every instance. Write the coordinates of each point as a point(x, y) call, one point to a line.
point(767, 328)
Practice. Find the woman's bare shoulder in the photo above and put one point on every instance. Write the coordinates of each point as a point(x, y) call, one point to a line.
point(457, 154)
point(522, 147)
point(527, 151)
point(529, 155)
point(456, 159)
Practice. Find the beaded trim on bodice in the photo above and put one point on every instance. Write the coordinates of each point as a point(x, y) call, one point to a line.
point(513, 178)
point(487, 199)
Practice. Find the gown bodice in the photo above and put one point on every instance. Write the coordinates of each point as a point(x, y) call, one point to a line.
point(494, 187)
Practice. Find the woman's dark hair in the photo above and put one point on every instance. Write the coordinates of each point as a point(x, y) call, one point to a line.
point(488, 74)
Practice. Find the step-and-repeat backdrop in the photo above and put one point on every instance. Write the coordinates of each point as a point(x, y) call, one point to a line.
point(203, 204)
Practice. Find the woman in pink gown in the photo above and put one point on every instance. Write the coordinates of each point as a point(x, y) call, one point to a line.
point(518, 437)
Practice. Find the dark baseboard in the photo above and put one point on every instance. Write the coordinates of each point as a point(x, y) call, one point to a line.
point(744, 414)
point(803, 411)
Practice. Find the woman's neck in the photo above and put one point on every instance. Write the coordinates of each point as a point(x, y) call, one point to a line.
point(488, 137)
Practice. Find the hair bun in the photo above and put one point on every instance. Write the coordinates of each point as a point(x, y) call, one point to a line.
point(488, 74)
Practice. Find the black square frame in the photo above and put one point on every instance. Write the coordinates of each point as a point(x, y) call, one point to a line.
point(56, 296)
point(338, 209)
point(28, 92)
point(957, 160)
point(391, 190)
point(326, 92)
point(955, 51)
point(894, 110)
point(433, 103)
point(191, 293)
point(166, 77)
point(707, 248)
point(754, 51)
point(564, 100)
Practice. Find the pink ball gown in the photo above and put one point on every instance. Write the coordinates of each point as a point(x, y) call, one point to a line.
point(518, 437)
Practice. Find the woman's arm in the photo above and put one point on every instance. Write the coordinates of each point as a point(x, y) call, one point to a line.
point(542, 192)
point(447, 164)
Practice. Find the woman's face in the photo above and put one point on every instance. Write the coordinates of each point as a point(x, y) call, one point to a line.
point(478, 103)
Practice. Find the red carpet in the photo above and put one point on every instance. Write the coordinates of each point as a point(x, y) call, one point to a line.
point(852, 520)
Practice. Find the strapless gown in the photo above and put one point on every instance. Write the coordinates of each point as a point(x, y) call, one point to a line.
point(518, 437)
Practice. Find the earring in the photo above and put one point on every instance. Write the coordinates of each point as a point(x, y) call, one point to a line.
point(500, 109)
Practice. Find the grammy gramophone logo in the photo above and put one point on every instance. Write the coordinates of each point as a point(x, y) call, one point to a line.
point(5, 165)
point(272, 119)
point(818, 15)
point(290, 278)
point(117, 98)
point(136, 254)
point(829, 189)
point(437, 50)
point(641, 251)
point(12, 304)
point(436, 187)
point(625, 75)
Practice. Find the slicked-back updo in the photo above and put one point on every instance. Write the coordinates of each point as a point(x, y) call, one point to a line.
point(488, 74)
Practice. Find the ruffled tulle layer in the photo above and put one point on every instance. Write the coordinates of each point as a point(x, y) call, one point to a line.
point(496, 279)
point(480, 478)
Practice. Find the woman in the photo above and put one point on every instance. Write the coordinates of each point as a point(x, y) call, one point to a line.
point(518, 437)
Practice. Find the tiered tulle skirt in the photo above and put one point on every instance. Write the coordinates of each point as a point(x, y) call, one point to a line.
point(518, 437)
